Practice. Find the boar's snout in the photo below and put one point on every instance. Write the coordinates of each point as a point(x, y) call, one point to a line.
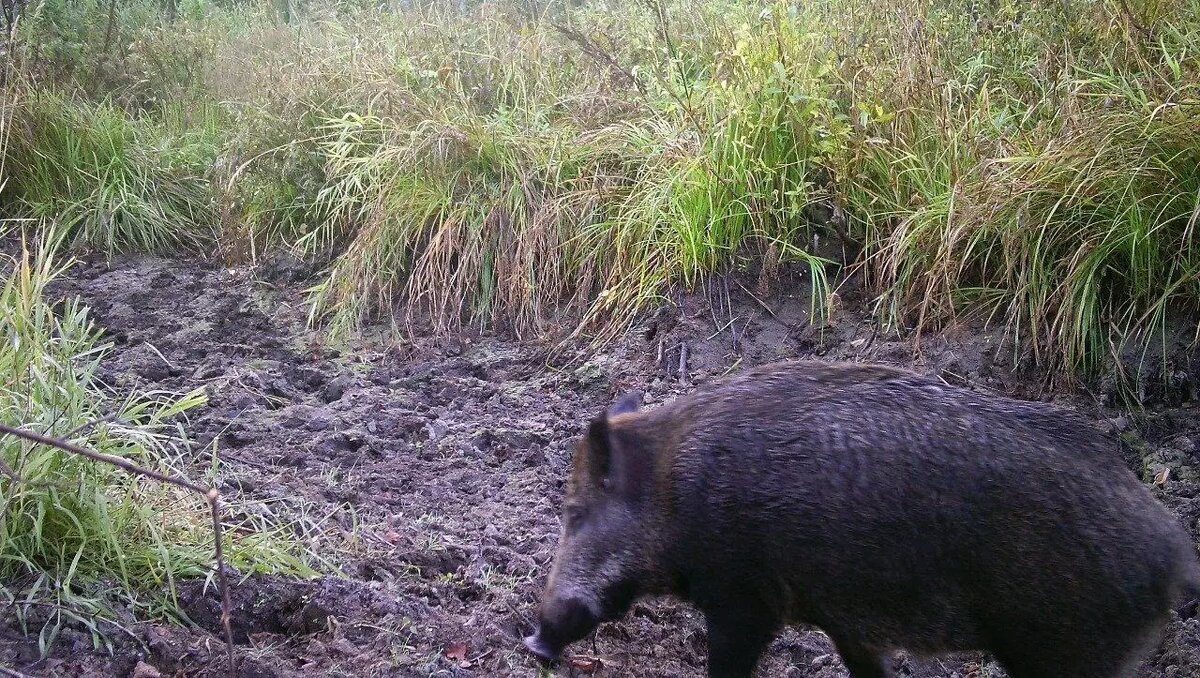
point(561, 622)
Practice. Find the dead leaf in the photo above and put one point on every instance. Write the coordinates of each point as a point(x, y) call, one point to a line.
point(586, 664)
point(1161, 477)
point(457, 652)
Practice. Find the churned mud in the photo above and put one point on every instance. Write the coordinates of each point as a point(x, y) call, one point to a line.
point(430, 471)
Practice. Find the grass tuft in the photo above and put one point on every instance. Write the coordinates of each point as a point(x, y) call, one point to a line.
point(99, 175)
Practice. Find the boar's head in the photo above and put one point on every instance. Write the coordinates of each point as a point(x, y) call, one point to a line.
point(606, 550)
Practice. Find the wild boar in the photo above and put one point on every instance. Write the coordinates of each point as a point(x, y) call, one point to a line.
point(889, 510)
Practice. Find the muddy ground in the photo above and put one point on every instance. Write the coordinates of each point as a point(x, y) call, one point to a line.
point(431, 470)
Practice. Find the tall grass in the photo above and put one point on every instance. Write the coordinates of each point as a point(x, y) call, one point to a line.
point(1064, 203)
point(557, 172)
point(78, 538)
point(514, 184)
point(101, 176)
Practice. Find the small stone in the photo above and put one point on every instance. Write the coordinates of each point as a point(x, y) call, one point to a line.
point(1118, 424)
point(483, 440)
point(319, 421)
point(1184, 444)
point(437, 428)
point(335, 389)
point(144, 670)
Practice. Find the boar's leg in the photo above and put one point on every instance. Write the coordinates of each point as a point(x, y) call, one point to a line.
point(1079, 649)
point(862, 662)
point(736, 642)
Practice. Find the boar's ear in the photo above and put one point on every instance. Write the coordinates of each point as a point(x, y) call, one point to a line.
point(618, 461)
point(630, 402)
point(598, 457)
point(598, 433)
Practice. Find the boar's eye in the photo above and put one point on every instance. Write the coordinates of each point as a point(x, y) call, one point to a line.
point(573, 517)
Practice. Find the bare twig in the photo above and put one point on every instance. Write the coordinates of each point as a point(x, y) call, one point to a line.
point(123, 464)
point(733, 337)
point(214, 497)
point(683, 362)
point(710, 292)
point(210, 494)
point(89, 425)
point(160, 355)
point(721, 329)
point(10, 673)
point(484, 655)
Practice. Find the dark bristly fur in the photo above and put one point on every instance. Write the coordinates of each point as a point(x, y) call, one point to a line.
point(885, 508)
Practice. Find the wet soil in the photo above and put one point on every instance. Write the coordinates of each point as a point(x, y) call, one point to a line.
point(429, 471)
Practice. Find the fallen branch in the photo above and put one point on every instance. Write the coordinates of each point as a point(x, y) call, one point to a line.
point(599, 54)
point(210, 494)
